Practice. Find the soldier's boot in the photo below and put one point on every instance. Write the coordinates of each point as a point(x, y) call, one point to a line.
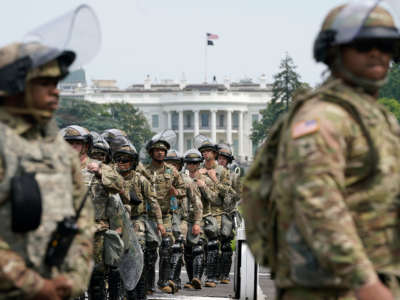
point(114, 284)
point(164, 266)
point(212, 263)
point(97, 288)
point(176, 264)
point(198, 264)
point(188, 255)
point(139, 292)
point(226, 262)
point(150, 259)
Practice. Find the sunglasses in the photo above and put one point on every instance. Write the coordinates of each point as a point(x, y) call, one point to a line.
point(364, 46)
point(122, 160)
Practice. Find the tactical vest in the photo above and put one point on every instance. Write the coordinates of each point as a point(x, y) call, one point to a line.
point(377, 229)
point(162, 183)
point(217, 208)
point(138, 210)
point(50, 161)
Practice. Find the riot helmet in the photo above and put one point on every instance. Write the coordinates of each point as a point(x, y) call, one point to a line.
point(192, 156)
point(123, 151)
point(225, 151)
point(76, 133)
point(163, 140)
point(202, 143)
point(174, 157)
point(100, 149)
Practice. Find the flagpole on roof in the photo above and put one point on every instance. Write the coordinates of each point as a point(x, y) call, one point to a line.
point(205, 60)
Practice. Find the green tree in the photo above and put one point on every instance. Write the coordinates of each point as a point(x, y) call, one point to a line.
point(393, 105)
point(392, 88)
point(286, 85)
point(98, 117)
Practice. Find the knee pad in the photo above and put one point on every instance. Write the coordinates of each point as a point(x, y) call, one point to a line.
point(212, 245)
point(177, 248)
point(198, 249)
point(166, 242)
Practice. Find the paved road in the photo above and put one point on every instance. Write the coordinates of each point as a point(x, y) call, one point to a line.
point(222, 290)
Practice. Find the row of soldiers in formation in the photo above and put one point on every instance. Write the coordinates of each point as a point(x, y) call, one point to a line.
point(184, 217)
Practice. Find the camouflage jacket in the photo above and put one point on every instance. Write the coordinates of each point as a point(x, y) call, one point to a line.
point(162, 180)
point(208, 193)
point(57, 171)
point(144, 192)
point(335, 186)
point(191, 205)
point(223, 186)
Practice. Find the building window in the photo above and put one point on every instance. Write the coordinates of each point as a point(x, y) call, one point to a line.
point(188, 144)
point(235, 147)
point(154, 121)
point(205, 120)
point(188, 121)
point(254, 118)
point(175, 120)
point(235, 120)
point(254, 148)
point(221, 121)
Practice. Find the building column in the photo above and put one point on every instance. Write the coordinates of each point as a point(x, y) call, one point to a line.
point(180, 128)
point(241, 154)
point(229, 126)
point(169, 119)
point(196, 122)
point(214, 125)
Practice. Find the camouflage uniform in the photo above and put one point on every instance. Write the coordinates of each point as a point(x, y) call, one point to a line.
point(325, 188)
point(33, 154)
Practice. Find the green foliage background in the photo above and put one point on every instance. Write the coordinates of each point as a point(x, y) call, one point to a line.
point(98, 117)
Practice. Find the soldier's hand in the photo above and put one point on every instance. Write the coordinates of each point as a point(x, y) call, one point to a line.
point(94, 168)
point(63, 286)
point(212, 174)
point(203, 171)
point(173, 191)
point(196, 229)
point(161, 229)
point(374, 291)
point(48, 291)
point(200, 183)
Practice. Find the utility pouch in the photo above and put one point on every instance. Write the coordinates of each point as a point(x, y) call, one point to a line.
point(26, 203)
point(134, 198)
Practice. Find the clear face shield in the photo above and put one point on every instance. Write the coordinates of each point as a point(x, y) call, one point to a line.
point(200, 140)
point(168, 136)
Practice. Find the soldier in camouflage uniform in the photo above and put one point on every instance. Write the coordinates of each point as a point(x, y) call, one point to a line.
point(104, 182)
point(220, 177)
point(190, 203)
point(169, 189)
point(321, 199)
point(145, 210)
point(34, 153)
point(225, 158)
point(100, 149)
point(206, 190)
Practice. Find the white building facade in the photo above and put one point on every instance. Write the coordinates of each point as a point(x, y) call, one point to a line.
point(223, 112)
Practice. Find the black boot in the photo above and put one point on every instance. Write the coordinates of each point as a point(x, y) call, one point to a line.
point(198, 264)
point(114, 284)
point(176, 264)
point(164, 265)
point(212, 263)
point(226, 262)
point(97, 288)
point(150, 259)
point(188, 255)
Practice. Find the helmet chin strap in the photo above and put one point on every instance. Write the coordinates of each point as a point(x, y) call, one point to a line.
point(368, 85)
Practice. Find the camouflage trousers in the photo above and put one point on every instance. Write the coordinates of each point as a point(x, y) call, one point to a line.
point(299, 293)
point(98, 251)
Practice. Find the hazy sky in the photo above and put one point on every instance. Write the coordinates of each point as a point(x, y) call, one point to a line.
point(166, 38)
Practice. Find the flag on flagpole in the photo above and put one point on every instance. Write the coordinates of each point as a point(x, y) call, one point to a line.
point(211, 36)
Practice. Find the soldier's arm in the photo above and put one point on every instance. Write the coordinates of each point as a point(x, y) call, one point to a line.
point(151, 200)
point(316, 179)
point(113, 181)
point(179, 184)
point(79, 259)
point(210, 190)
point(196, 204)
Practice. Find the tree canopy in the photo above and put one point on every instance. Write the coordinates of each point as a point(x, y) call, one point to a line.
point(98, 117)
point(286, 85)
point(392, 88)
point(393, 105)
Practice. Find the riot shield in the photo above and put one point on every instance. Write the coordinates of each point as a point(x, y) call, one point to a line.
point(77, 31)
point(131, 263)
point(200, 140)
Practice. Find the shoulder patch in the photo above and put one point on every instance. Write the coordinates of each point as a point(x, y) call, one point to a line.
point(303, 128)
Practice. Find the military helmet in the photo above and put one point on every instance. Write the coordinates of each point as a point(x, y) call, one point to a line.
point(355, 21)
point(174, 156)
point(100, 145)
point(226, 151)
point(122, 146)
point(111, 133)
point(163, 140)
point(192, 156)
point(77, 133)
point(202, 143)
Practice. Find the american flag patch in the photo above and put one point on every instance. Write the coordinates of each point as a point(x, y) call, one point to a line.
point(304, 128)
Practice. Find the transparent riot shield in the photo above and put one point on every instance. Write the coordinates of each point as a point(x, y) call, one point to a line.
point(77, 31)
point(200, 140)
point(167, 135)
